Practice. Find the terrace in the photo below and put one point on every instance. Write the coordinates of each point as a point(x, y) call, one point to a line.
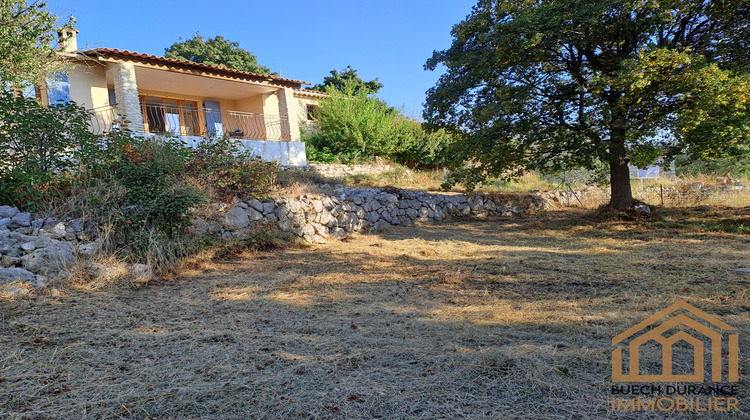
point(156, 95)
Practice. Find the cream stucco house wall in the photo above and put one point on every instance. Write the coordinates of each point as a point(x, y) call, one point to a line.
point(150, 94)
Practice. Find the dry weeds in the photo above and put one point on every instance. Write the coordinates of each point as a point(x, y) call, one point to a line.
point(501, 318)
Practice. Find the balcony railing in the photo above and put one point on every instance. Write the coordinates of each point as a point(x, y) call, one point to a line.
point(196, 121)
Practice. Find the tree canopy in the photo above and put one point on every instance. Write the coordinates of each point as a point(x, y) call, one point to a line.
point(27, 41)
point(348, 80)
point(216, 51)
point(552, 84)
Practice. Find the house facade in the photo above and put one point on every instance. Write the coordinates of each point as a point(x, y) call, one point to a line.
point(151, 95)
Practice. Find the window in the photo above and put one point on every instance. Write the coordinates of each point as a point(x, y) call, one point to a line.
point(312, 113)
point(162, 115)
point(58, 90)
point(112, 97)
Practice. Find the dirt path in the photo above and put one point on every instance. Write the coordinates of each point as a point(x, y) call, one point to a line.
point(507, 318)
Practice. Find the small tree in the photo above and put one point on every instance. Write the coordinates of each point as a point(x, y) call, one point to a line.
point(354, 126)
point(216, 51)
point(359, 126)
point(566, 83)
point(27, 41)
point(349, 78)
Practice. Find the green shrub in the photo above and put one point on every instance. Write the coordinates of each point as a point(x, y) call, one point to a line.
point(420, 147)
point(359, 127)
point(151, 204)
point(39, 146)
point(354, 126)
point(225, 167)
point(724, 167)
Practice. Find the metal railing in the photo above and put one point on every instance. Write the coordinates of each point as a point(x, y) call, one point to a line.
point(104, 120)
point(196, 121)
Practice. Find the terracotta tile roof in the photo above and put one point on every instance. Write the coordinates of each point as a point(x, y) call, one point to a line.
point(310, 92)
point(190, 64)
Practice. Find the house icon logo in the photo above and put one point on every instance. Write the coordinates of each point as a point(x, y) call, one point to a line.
point(679, 322)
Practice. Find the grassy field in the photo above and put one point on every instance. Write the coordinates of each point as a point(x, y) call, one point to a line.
point(483, 318)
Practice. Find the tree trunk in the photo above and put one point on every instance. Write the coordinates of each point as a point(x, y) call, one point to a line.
point(619, 174)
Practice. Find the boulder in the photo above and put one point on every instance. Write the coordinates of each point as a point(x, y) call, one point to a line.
point(77, 226)
point(254, 215)
point(236, 218)
point(89, 249)
point(338, 234)
point(321, 230)
point(327, 219)
point(21, 220)
point(28, 247)
point(8, 261)
point(50, 259)
point(200, 226)
point(9, 275)
point(256, 204)
point(380, 225)
point(317, 239)
point(8, 212)
point(268, 207)
point(295, 206)
point(57, 231)
point(373, 217)
point(641, 208)
point(307, 230)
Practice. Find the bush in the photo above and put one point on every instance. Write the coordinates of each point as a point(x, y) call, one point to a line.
point(724, 167)
point(152, 204)
point(39, 146)
point(359, 127)
point(354, 127)
point(224, 167)
point(420, 147)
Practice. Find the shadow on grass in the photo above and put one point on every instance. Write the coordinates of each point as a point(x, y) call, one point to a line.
point(467, 319)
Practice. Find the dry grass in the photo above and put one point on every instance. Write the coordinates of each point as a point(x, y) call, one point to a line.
point(488, 318)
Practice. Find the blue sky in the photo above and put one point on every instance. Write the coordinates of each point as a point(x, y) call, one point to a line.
point(304, 40)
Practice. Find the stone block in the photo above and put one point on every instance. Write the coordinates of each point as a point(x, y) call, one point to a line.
point(9, 275)
point(8, 212)
point(236, 218)
point(21, 220)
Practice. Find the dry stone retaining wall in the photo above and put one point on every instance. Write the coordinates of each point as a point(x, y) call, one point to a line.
point(37, 250)
point(334, 170)
point(318, 218)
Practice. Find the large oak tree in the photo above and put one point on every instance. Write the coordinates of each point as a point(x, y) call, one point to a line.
point(552, 84)
point(216, 51)
point(348, 80)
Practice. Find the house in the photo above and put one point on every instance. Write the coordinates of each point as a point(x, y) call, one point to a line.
point(150, 94)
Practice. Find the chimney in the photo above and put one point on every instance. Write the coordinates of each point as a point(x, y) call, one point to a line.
point(66, 37)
